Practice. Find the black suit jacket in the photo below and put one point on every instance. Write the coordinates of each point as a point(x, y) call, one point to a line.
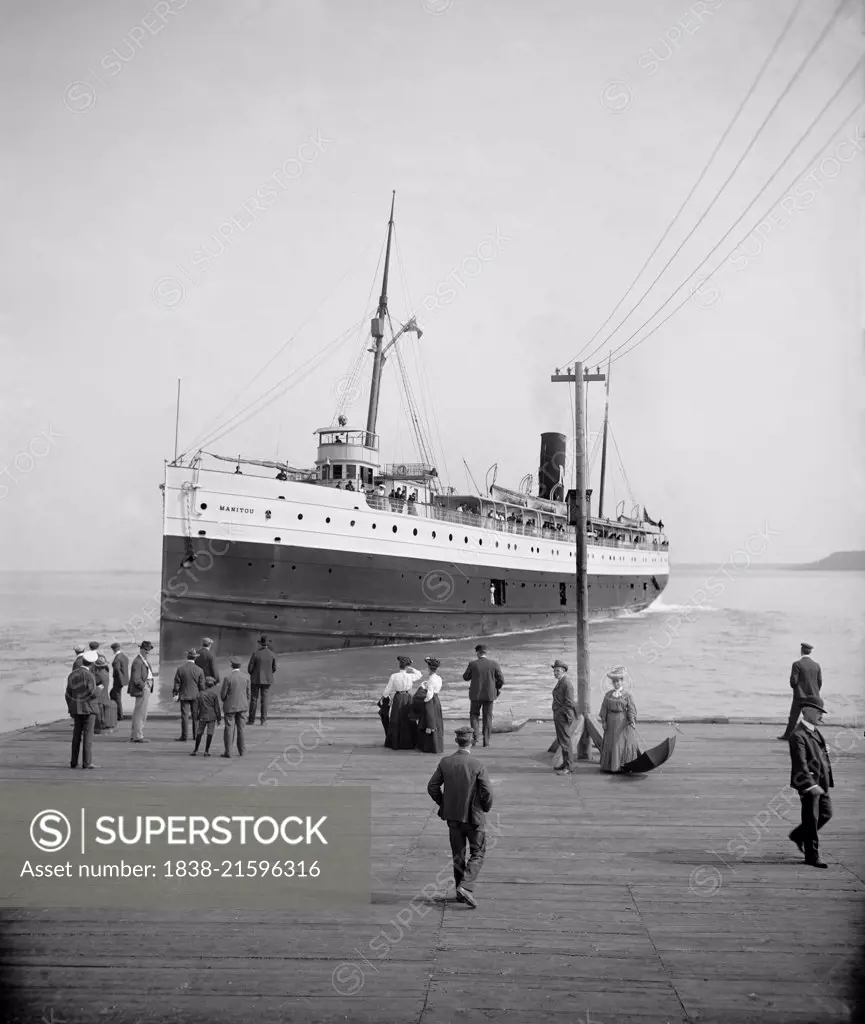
point(485, 679)
point(806, 679)
point(188, 681)
point(120, 671)
point(467, 790)
point(261, 667)
point(809, 760)
point(207, 663)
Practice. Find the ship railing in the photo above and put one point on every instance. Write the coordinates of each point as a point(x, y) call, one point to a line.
point(445, 515)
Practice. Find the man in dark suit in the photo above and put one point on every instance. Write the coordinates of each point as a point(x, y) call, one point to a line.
point(83, 704)
point(119, 678)
point(188, 683)
point(140, 687)
point(467, 796)
point(811, 777)
point(205, 660)
point(235, 704)
point(261, 668)
point(806, 680)
point(485, 684)
point(564, 713)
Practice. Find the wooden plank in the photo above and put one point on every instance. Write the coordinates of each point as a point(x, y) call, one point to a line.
point(602, 899)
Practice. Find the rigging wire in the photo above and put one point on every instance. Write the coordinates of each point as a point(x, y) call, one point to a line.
point(622, 466)
point(806, 60)
point(702, 174)
point(215, 419)
point(317, 357)
point(615, 352)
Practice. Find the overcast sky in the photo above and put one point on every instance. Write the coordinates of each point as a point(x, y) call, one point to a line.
point(556, 140)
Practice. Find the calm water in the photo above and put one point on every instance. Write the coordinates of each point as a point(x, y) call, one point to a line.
point(730, 656)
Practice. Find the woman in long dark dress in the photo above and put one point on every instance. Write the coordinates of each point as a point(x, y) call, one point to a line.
point(400, 728)
point(618, 716)
point(427, 711)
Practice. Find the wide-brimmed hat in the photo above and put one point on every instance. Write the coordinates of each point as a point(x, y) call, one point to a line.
point(404, 660)
point(192, 653)
point(101, 660)
point(558, 663)
point(432, 662)
point(616, 674)
point(812, 702)
point(146, 645)
point(90, 657)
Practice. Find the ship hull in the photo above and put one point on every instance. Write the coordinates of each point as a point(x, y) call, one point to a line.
point(308, 599)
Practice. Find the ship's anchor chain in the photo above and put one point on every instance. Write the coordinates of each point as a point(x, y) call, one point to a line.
point(188, 499)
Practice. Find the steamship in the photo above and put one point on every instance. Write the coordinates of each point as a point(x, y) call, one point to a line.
point(356, 551)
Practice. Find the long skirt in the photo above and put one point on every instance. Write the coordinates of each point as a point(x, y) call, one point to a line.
point(106, 719)
point(400, 728)
point(620, 742)
point(427, 714)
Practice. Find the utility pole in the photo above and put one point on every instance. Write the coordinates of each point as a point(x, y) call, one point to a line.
point(586, 730)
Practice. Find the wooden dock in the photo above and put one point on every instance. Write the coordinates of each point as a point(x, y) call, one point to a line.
point(667, 898)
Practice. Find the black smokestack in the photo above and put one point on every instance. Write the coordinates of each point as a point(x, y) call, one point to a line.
point(552, 466)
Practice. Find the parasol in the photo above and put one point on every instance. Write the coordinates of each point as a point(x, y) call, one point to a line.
point(650, 759)
point(384, 712)
point(512, 726)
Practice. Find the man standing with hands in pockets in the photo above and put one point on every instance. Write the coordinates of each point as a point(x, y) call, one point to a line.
point(485, 684)
point(261, 668)
point(235, 704)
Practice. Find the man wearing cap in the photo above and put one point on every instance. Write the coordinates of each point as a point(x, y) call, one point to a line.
point(262, 665)
point(140, 687)
point(188, 683)
point(79, 660)
point(564, 713)
point(235, 704)
point(485, 680)
point(119, 678)
point(806, 680)
point(811, 777)
point(83, 704)
point(467, 796)
point(205, 660)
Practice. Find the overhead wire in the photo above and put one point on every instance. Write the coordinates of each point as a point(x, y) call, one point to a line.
point(796, 74)
point(702, 174)
point(617, 352)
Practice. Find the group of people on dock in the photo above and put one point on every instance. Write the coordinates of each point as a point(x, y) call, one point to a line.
point(414, 721)
point(94, 695)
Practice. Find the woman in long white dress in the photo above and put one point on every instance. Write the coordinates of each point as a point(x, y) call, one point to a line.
point(400, 729)
point(426, 711)
point(618, 716)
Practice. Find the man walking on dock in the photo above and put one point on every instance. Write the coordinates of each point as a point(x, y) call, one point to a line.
point(119, 678)
point(235, 704)
point(806, 681)
point(485, 684)
point(261, 668)
point(188, 683)
point(811, 777)
point(467, 797)
point(140, 687)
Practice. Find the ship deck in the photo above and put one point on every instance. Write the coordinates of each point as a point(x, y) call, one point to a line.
point(601, 902)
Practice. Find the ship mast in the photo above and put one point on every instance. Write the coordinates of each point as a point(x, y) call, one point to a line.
point(377, 331)
point(604, 443)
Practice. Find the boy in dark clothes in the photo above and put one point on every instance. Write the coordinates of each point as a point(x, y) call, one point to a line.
point(209, 714)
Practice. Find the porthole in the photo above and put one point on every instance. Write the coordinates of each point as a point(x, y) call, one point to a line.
point(293, 568)
point(328, 519)
point(281, 497)
point(351, 523)
point(434, 535)
point(249, 563)
point(480, 541)
point(414, 532)
point(450, 536)
point(272, 566)
point(203, 504)
point(277, 539)
point(300, 515)
point(373, 525)
point(202, 533)
point(497, 543)
point(466, 540)
point(330, 570)
point(276, 616)
point(394, 528)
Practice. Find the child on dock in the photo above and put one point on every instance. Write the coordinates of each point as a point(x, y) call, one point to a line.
point(208, 715)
